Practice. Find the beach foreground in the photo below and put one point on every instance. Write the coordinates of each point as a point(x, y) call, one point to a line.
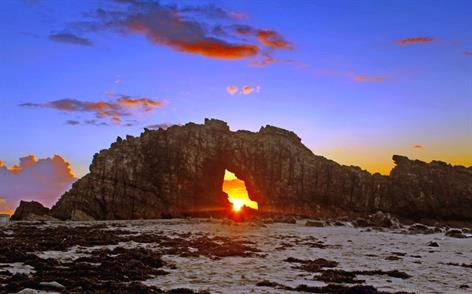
point(224, 256)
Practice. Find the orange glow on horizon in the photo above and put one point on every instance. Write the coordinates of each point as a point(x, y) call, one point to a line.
point(237, 193)
point(8, 211)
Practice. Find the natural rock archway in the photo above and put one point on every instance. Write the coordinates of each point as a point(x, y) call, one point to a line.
point(179, 171)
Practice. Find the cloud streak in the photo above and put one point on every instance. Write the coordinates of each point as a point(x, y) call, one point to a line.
point(414, 40)
point(70, 39)
point(43, 180)
point(366, 79)
point(113, 111)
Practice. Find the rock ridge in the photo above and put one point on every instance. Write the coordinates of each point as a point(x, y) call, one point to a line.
point(179, 172)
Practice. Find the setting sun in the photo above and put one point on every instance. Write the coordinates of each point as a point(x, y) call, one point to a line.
point(237, 204)
point(237, 193)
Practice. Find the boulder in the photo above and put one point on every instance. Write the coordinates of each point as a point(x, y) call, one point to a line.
point(455, 233)
point(30, 210)
point(361, 223)
point(418, 228)
point(432, 244)
point(383, 220)
point(311, 223)
point(285, 219)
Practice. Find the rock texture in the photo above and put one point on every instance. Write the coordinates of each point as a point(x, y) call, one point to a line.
point(179, 172)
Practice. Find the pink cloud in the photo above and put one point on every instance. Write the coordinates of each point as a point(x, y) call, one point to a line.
point(42, 180)
point(232, 90)
point(414, 40)
point(365, 78)
point(114, 110)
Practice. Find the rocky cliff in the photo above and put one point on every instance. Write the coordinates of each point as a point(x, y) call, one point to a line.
point(179, 172)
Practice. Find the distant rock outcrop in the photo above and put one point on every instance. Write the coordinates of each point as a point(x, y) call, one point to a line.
point(31, 210)
point(428, 190)
point(179, 172)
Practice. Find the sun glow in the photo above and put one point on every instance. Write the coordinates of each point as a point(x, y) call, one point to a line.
point(237, 193)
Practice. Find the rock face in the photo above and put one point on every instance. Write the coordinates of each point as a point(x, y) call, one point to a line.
point(179, 172)
point(431, 189)
point(28, 210)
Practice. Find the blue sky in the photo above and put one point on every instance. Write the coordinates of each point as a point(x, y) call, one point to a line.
point(346, 86)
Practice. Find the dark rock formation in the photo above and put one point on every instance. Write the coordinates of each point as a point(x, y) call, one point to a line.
point(30, 209)
point(428, 190)
point(455, 233)
point(383, 220)
point(318, 224)
point(179, 172)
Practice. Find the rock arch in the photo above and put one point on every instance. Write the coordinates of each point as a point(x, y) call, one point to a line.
point(179, 171)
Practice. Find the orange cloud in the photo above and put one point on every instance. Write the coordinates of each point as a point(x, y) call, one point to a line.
point(166, 26)
point(417, 146)
point(364, 78)
point(272, 39)
point(268, 38)
point(268, 59)
point(189, 29)
point(43, 180)
point(232, 90)
point(130, 101)
point(415, 40)
point(265, 61)
point(247, 90)
point(217, 49)
point(4, 207)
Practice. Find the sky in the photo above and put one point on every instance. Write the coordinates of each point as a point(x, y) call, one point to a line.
point(358, 81)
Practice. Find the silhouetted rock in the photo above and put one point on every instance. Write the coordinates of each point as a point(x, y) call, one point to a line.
point(418, 228)
point(432, 244)
point(284, 219)
point(384, 220)
point(455, 233)
point(310, 223)
point(31, 210)
point(430, 190)
point(179, 172)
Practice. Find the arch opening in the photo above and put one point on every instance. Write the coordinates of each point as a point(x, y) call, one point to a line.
point(237, 193)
